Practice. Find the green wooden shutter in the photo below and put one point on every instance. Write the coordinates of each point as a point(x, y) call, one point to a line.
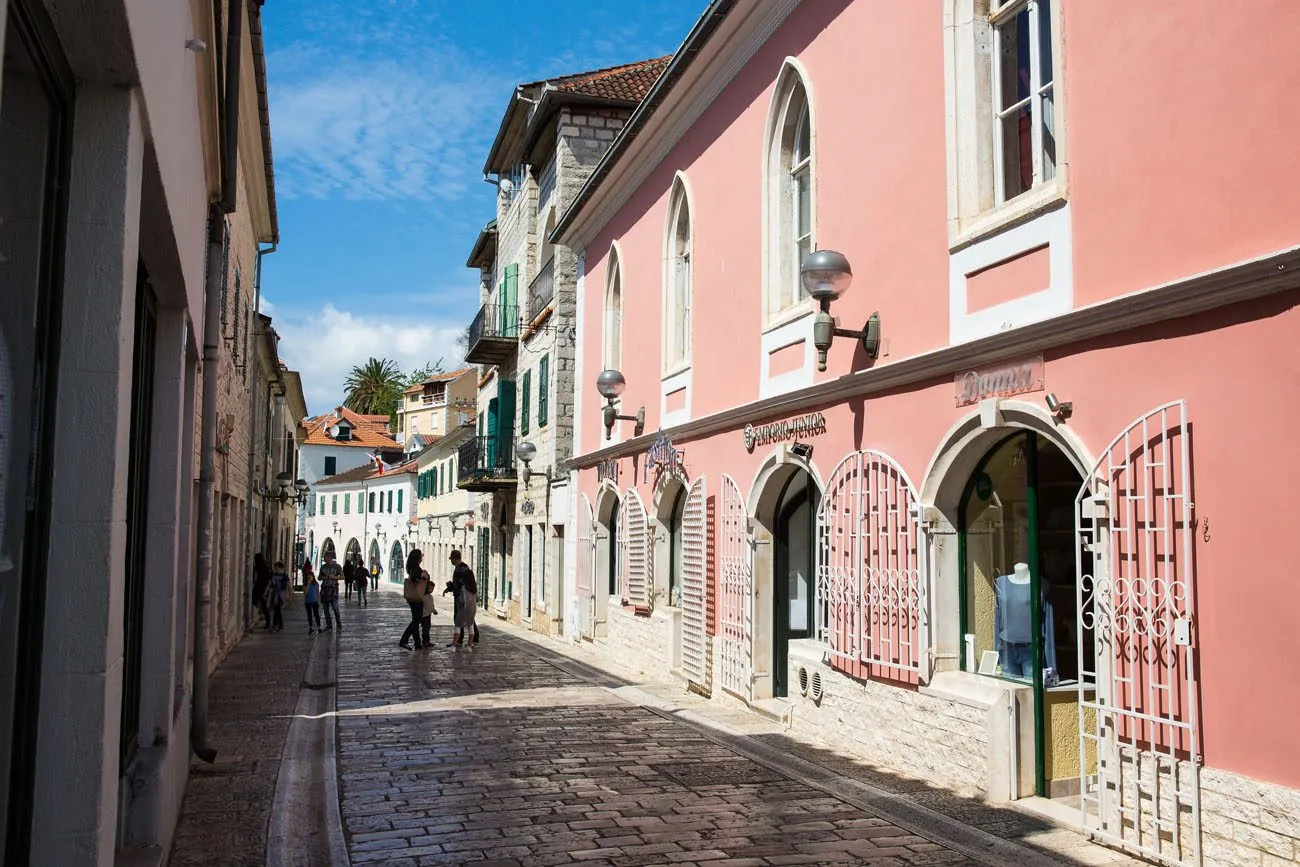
point(506, 411)
point(543, 391)
point(399, 500)
point(488, 453)
point(508, 299)
point(523, 415)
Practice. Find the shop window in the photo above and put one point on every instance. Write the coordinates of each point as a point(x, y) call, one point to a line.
point(789, 191)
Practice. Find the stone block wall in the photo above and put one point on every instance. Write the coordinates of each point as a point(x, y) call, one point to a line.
point(1248, 822)
point(639, 642)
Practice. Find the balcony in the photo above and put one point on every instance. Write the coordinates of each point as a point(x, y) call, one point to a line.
point(541, 290)
point(486, 463)
point(494, 334)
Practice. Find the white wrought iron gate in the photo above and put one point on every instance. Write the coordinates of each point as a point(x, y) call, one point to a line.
point(1138, 736)
point(584, 585)
point(871, 591)
point(736, 593)
point(695, 638)
point(634, 544)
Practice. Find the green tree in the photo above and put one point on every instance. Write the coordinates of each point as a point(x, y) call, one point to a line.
point(374, 388)
point(419, 375)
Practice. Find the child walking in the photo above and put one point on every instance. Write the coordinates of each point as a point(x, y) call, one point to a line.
point(311, 598)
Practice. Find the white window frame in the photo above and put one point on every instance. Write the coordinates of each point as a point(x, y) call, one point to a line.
point(1007, 11)
point(612, 347)
point(678, 279)
point(783, 296)
point(974, 210)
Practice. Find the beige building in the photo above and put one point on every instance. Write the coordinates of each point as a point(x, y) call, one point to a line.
point(447, 515)
point(439, 404)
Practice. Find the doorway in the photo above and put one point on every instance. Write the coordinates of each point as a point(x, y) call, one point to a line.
point(1018, 603)
point(794, 566)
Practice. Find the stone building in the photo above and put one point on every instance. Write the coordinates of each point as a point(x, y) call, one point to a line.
point(553, 134)
point(431, 408)
point(132, 135)
point(447, 517)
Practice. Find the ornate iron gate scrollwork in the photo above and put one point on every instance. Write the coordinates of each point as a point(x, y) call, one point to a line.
point(872, 608)
point(736, 594)
point(1138, 729)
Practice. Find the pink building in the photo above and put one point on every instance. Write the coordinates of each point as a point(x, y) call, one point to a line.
point(1010, 546)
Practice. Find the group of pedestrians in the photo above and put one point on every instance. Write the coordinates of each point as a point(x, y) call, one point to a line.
point(418, 592)
point(271, 588)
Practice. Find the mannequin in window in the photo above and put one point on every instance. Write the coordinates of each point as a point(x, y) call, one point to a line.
point(1012, 624)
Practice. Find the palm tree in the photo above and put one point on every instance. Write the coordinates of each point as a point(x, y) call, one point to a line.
point(374, 388)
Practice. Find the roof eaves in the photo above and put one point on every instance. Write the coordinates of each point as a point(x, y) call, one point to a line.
point(682, 59)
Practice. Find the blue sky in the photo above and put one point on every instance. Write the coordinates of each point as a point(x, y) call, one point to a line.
point(381, 116)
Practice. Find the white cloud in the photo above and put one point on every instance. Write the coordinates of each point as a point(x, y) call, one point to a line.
point(387, 117)
point(324, 345)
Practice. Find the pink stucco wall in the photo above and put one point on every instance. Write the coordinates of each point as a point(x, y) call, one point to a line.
point(1178, 151)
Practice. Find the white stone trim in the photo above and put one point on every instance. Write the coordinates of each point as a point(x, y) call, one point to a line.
point(1245, 280)
point(669, 384)
point(783, 335)
point(680, 196)
point(1052, 229)
point(728, 51)
point(772, 181)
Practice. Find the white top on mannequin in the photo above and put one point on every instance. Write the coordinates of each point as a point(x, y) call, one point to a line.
point(1020, 573)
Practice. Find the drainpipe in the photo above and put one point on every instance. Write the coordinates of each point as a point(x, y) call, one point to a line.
point(211, 362)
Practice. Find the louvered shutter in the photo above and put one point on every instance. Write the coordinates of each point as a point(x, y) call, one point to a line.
point(636, 566)
point(524, 407)
point(543, 390)
point(695, 640)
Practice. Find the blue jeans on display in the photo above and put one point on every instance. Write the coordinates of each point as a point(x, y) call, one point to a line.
point(1017, 660)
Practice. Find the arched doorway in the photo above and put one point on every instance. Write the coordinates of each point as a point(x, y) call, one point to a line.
point(785, 504)
point(353, 551)
point(396, 564)
point(376, 557)
point(608, 577)
point(326, 550)
point(1018, 595)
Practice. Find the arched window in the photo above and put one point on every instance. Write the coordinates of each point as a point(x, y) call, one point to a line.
point(677, 293)
point(614, 312)
point(790, 167)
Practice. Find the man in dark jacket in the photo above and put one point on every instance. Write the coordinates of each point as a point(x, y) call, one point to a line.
point(349, 572)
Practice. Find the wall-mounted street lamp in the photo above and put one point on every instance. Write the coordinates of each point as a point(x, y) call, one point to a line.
point(428, 523)
point(526, 452)
point(283, 482)
point(610, 384)
point(826, 275)
point(336, 528)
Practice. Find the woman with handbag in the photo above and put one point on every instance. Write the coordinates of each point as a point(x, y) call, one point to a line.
point(413, 591)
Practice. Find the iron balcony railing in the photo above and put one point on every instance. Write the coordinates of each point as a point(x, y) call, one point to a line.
point(485, 461)
point(493, 333)
point(541, 290)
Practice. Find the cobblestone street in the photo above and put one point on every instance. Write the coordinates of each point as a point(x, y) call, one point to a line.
point(516, 753)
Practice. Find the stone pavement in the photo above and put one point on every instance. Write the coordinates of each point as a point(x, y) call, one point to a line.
point(511, 753)
point(251, 698)
point(529, 751)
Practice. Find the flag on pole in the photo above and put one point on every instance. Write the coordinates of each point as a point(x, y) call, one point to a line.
point(379, 463)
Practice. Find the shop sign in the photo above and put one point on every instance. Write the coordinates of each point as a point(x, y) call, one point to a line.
point(792, 428)
point(607, 470)
point(1017, 377)
point(661, 457)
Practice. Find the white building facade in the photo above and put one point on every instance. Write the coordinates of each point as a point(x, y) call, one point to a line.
point(364, 514)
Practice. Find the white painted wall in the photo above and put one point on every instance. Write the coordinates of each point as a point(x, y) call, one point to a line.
point(388, 527)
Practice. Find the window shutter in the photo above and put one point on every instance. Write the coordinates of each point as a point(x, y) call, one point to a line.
point(399, 501)
point(523, 416)
point(543, 390)
point(634, 534)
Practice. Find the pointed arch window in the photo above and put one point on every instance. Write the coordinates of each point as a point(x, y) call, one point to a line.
point(790, 191)
point(614, 312)
point(679, 244)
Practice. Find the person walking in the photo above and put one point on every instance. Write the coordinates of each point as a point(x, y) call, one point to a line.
point(465, 589)
point(374, 575)
point(278, 595)
point(361, 579)
point(311, 598)
point(261, 584)
point(349, 574)
point(413, 590)
point(330, 574)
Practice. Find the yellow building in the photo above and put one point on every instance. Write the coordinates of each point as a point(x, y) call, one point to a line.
point(437, 405)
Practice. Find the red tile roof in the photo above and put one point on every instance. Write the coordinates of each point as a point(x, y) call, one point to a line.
point(629, 82)
point(450, 376)
point(365, 473)
point(368, 431)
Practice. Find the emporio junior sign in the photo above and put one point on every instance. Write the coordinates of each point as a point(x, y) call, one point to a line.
point(804, 425)
point(1017, 377)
